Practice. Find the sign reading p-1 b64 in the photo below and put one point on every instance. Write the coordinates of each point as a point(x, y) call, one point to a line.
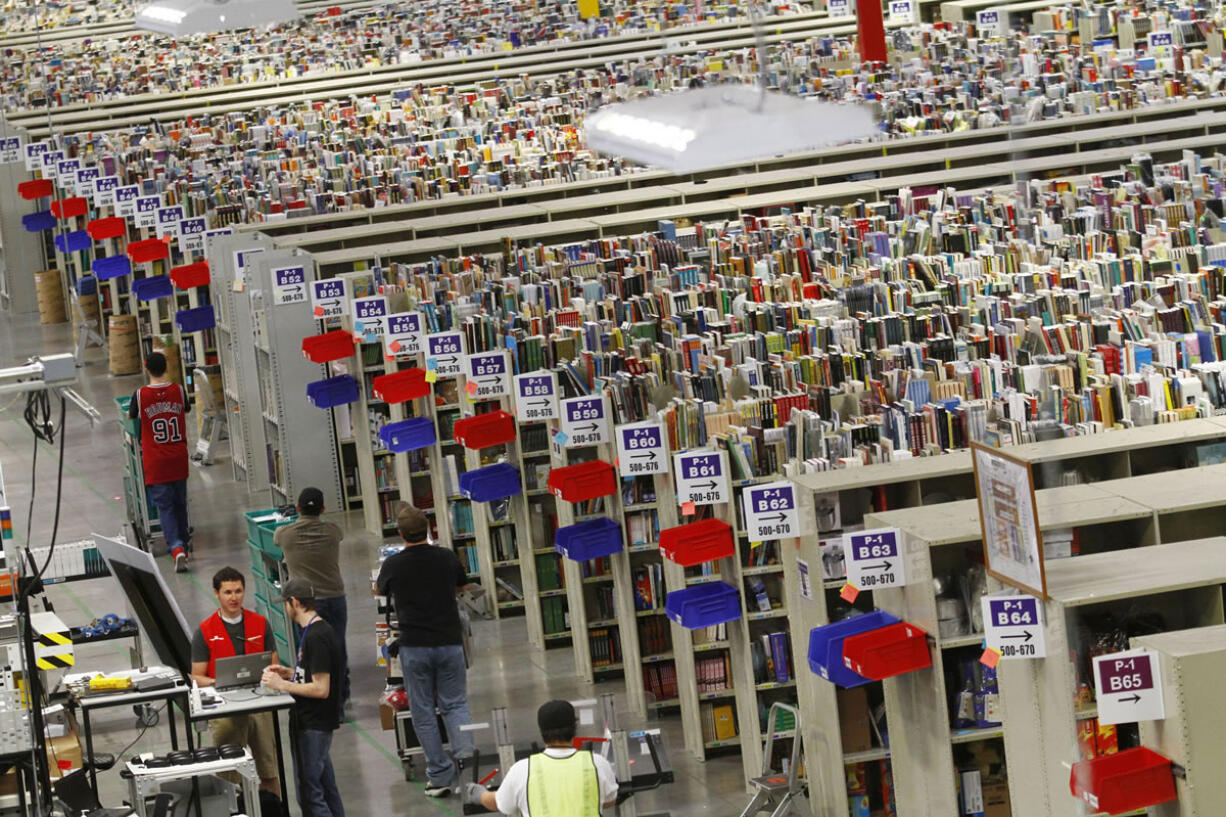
point(641, 449)
point(770, 511)
point(874, 559)
point(1129, 687)
point(1013, 626)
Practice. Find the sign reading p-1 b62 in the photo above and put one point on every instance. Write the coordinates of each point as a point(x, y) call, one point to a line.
point(1129, 687)
point(874, 559)
point(702, 477)
point(770, 511)
point(1013, 626)
point(641, 449)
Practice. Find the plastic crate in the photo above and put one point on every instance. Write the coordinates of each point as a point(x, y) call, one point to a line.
point(100, 229)
point(826, 646)
point(152, 288)
point(492, 482)
point(589, 540)
point(703, 605)
point(260, 533)
point(114, 266)
point(127, 423)
point(187, 276)
point(697, 542)
point(1127, 781)
point(484, 430)
point(333, 391)
point(886, 652)
point(330, 346)
point(196, 320)
point(37, 222)
point(70, 207)
point(587, 480)
point(76, 241)
point(408, 435)
point(397, 387)
point(35, 189)
point(151, 249)
point(87, 285)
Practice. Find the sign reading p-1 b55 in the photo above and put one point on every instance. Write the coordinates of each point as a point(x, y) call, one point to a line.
point(770, 511)
point(874, 559)
point(641, 449)
point(1013, 626)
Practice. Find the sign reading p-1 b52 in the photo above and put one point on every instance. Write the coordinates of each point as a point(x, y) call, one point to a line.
point(641, 449)
point(1013, 626)
point(874, 559)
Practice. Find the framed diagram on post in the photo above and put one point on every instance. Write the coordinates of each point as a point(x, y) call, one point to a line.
point(1009, 517)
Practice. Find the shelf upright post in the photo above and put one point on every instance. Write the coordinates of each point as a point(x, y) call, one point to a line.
point(744, 686)
point(359, 411)
point(20, 251)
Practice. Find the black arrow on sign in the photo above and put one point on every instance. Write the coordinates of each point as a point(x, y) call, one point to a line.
point(592, 427)
point(293, 289)
point(778, 518)
point(649, 456)
point(329, 303)
point(451, 359)
point(1136, 699)
point(882, 566)
point(540, 403)
point(1027, 635)
point(712, 485)
point(490, 380)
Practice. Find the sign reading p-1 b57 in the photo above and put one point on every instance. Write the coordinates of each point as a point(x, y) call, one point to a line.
point(641, 449)
point(1013, 626)
point(874, 559)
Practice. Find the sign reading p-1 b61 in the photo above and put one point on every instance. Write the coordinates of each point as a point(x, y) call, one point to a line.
point(641, 449)
point(1129, 687)
point(1013, 626)
point(770, 511)
point(874, 559)
point(702, 477)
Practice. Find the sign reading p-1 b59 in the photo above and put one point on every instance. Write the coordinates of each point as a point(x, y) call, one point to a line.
point(770, 511)
point(702, 477)
point(585, 421)
point(1013, 626)
point(641, 449)
point(874, 559)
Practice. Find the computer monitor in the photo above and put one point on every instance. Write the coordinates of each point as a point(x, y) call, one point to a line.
point(159, 615)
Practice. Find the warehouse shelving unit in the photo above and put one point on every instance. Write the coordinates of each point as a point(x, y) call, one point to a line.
point(20, 252)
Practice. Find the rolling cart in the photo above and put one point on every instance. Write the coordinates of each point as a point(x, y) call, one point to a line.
point(142, 513)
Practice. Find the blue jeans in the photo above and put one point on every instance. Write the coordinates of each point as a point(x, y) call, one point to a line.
point(436, 676)
point(171, 501)
point(317, 792)
point(336, 613)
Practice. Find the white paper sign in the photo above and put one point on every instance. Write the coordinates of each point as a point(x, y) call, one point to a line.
point(903, 11)
point(642, 448)
point(191, 235)
point(992, 23)
point(168, 221)
point(289, 285)
point(536, 397)
point(328, 298)
point(125, 200)
point(147, 210)
point(66, 173)
point(491, 372)
point(1129, 686)
point(34, 155)
point(1013, 626)
point(370, 315)
point(86, 177)
point(10, 149)
point(104, 191)
point(585, 421)
point(445, 353)
point(770, 511)
point(404, 333)
point(702, 477)
point(874, 558)
point(49, 164)
point(840, 8)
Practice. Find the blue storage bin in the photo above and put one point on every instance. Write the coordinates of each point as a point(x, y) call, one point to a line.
point(105, 269)
point(75, 241)
point(37, 222)
point(589, 540)
point(408, 435)
point(87, 285)
point(334, 391)
point(703, 605)
point(196, 320)
point(491, 482)
point(152, 288)
point(826, 646)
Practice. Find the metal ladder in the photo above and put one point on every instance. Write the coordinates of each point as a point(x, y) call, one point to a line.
point(87, 331)
point(777, 790)
point(213, 424)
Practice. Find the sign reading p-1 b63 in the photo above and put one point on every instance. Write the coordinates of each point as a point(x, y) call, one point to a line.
point(702, 477)
point(1013, 626)
point(1129, 687)
point(641, 449)
point(770, 511)
point(874, 559)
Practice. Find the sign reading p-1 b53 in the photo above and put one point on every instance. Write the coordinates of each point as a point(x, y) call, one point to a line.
point(874, 559)
point(1013, 626)
point(641, 449)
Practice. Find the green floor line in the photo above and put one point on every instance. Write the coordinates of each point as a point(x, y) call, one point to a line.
point(395, 761)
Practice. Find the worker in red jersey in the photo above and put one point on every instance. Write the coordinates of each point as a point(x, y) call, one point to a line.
point(161, 408)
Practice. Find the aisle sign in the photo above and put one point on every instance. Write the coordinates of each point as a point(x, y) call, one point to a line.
point(903, 11)
point(49, 164)
point(66, 172)
point(770, 511)
point(445, 353)
point(1129, 687)
point(490, 374)
point(191, 234)
point(536, 397)
point(1013, 626)
point(1009, 519)
point(404, 333)
point(328, 298)
point(585, 421)
point(86, 177)
point(1160, 41)
point(874, 559)
point(125, 200)
point(992, 23)
point(147, 210)
point(10, 149)
point(168, 221)
point(104, 191)
point(840, 8)
point(34, 155)
point(369, 315)
point(289, 285)
point(702, 477)
point(641, 449)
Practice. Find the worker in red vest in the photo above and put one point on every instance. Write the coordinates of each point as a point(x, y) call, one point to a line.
point(162, 409)
point(228, 632)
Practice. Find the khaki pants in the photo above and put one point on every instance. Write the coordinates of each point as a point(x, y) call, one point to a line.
point(257, 734)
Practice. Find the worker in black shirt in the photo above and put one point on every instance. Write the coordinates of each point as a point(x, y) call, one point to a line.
point(315, 684)
point(423, 581)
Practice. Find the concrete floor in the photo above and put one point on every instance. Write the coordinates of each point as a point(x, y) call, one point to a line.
point(507, 672)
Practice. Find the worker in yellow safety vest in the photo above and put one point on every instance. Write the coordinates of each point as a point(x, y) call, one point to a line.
point(561, 781)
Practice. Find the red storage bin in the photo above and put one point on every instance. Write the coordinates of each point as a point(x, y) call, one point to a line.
point(697, 542)
point(887, 651)
point(151, 249)
point(34, 189)
point(191, 275)
point(587, 480)
point(1127, 781)
point(328, 347)
point(485, 430)
point(68, 208)
point(406, 384)
point(102, 228)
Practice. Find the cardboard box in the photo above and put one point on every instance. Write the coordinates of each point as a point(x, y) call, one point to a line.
point(854, 720)
point(996, 799)
point(64, 756)
point(387, 716)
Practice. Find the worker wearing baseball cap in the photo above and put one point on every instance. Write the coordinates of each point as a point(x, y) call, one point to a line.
point(559, 782)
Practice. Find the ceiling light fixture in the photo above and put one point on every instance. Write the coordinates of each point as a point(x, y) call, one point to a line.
point(181, 18)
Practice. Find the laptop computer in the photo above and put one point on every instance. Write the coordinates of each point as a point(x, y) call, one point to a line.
point(241, 670)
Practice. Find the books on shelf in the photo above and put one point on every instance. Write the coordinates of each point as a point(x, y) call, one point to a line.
point(660, 681)
point(648, 586)
point(605, 646)
point(771, 658)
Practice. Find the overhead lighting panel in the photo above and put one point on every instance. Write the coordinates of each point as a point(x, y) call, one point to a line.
point(705, 128)
point(182, 18)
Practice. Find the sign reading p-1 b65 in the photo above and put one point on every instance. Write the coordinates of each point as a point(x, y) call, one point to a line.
point(770, 511)
point(1129, 687)
point(641, 449)
point(874, 559)
point(1013, 626)
point(702, 477)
